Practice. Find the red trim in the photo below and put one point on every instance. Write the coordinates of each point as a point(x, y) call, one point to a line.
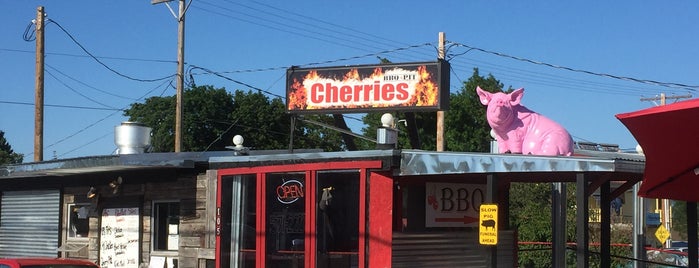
point(311, 169)
point(310, 238)
point(380, 219)
point(362, 217)
point(302, 167)
point(218, 224)
point(261, 244)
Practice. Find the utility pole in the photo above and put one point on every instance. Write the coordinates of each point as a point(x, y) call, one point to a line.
point(180, 67)
point(663, 205)
point(180, 77)
point(440, 114)
point(39, 88)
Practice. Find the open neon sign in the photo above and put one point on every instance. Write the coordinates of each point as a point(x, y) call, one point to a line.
point(290, 191)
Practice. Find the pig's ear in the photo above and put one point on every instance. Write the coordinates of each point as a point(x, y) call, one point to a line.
point(516, 96)
point(483, 95)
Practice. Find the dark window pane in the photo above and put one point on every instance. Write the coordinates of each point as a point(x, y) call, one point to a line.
point(166, 220)
point(285, 197)
point(337, 220)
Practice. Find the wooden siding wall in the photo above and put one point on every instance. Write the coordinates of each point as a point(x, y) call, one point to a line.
point(197, 197)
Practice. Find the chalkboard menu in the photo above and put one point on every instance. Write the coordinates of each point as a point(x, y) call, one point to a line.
point(119, 238)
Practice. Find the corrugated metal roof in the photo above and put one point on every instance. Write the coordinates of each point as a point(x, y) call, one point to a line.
point(106, 163)
point(426, 163)
point(405, 162)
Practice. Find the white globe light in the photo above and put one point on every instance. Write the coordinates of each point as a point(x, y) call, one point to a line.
point(492, 134)
point(387, 120)
point(639, 150)
point(238, 140)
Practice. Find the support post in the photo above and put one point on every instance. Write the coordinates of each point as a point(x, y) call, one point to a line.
point(692, 239)
point(582, 252)
point(491, 196)
point(559, 223)
point(605, 225)
point(639, 240)
point(180, 77)
point(440, 114)
point(39, 88)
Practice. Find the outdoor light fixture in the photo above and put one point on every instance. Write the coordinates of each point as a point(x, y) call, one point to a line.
point(387, 120)
point(92, 192)
point(386, 135)
point(115, 185)
point(238, 148)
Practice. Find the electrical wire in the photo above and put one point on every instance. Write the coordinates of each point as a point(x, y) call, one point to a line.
point(28, 33)
point(95, 123)
point(102, 63)
point(335, 28)
point(297, 33)
point(89, 86)
point(86, 56)
point(221, 135)
point(623, 78)
point(62, 106)
point(194, 67)
point(75, 91)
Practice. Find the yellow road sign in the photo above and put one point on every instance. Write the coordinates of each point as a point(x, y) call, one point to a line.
point(488, 227)
point(662, 234)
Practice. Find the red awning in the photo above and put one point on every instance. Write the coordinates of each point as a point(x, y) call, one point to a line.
point(669, 137)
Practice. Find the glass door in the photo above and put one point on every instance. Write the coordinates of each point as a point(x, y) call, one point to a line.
point(285, 219)
point(337, 219)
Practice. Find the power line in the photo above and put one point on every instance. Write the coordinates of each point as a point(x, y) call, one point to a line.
point(98, 121)
point(102, 63)
point(89, 86)
point(345, 31)
point(311, 36)
point(327, 61)
point(75, 91)
point(292, 29)
point(86, 56)
point(62, 106)
point(624, 78)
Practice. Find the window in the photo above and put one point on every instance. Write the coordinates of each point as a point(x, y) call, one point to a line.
point(337, 219)
point(78, 221)
point(166, 223)
point(286, 219)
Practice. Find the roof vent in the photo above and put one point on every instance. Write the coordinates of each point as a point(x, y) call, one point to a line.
point(132, 138)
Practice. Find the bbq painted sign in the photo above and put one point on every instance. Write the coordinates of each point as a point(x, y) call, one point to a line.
point(365, 88)
point(452, 204)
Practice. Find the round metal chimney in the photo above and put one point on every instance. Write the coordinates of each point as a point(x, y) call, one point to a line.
point(132, 138)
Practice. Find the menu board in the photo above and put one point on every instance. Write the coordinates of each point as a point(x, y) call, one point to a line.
point(119, 238)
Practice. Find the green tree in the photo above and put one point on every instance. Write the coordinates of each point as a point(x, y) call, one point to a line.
point(679, 219)
point(206, 117)
point(7, 156)
point(212, 116)
point(466, 127)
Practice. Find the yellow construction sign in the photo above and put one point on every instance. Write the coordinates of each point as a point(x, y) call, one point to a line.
point(662, 234)
point(488, 227)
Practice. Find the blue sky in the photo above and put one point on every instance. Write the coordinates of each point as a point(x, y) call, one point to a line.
point(254, 42)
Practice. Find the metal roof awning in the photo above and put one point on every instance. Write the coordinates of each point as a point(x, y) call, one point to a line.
point(402, 162)
point(433, 163)
point(107, 163)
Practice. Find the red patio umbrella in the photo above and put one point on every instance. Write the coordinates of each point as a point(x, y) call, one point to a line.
point(669, 136)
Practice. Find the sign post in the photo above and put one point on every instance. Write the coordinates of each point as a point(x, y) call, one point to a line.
point(488, 227)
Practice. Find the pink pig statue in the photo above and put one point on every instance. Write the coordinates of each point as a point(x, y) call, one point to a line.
point(519, 130)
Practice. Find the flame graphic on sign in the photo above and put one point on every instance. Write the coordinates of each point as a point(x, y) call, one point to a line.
point(426, 90)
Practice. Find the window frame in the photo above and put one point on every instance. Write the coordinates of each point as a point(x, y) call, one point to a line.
point(154, 232)
point(69, 221)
